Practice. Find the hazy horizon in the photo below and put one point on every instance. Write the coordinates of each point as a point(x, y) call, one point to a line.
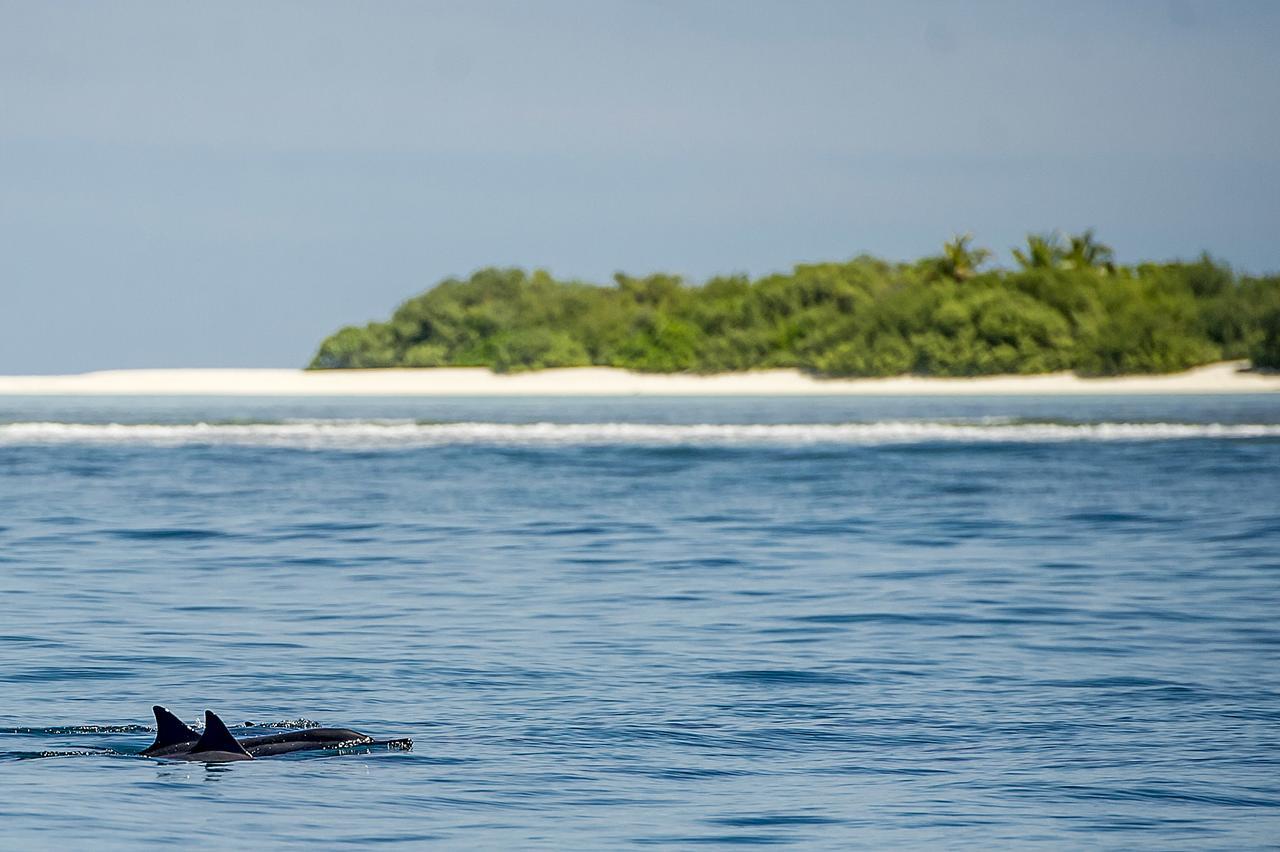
point(223, 186)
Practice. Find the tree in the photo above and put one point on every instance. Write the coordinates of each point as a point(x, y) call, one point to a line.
point(1266, 354)
point(1044, 251)
point(1086, 252)
point(959, 261)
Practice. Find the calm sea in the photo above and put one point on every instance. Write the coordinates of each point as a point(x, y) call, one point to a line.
point(829, 623)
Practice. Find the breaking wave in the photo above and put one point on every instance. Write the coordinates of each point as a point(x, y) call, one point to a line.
point(367, 434)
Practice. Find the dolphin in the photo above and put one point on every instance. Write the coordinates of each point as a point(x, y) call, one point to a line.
point(176, 741)
point(216, 745)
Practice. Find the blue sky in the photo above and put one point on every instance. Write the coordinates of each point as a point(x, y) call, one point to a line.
point(223, 184)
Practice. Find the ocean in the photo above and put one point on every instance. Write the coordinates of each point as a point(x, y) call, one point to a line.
point(828, 623)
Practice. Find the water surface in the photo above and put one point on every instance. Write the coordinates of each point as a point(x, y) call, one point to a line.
point(820, 622)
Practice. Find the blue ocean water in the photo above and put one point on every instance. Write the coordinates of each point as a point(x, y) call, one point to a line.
point(822, 622)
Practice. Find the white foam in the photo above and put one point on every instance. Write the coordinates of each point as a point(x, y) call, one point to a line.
point(325, 434)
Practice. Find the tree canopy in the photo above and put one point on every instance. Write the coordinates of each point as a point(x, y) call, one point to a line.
point(1067, 306)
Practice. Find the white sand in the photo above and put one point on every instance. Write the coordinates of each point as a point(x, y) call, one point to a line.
point(1226, 377)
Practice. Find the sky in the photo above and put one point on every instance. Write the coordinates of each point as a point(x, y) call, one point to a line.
point(189, 184)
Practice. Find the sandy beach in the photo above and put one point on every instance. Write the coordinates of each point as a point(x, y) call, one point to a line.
point(1224, 378)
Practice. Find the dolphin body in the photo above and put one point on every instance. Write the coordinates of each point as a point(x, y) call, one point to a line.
point(175, 741)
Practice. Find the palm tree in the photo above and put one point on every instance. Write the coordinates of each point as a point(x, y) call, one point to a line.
point(1087, 253)
point(959, 261)
point(1044, 251)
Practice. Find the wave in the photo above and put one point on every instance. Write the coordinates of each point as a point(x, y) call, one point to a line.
point(366, 434)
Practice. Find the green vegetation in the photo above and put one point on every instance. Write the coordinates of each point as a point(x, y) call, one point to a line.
point(1067, 306)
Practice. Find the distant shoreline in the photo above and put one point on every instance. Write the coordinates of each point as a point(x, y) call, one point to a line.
point(1226, 377)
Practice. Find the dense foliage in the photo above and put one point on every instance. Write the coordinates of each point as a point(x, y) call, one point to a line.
point(1067, 306)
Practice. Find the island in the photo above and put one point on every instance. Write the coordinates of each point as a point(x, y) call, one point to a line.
point(1064, 306)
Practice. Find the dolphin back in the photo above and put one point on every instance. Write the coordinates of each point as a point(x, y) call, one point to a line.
point(311, 739)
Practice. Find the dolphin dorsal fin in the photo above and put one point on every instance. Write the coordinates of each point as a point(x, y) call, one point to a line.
point(216, 737)
point(170, 730)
